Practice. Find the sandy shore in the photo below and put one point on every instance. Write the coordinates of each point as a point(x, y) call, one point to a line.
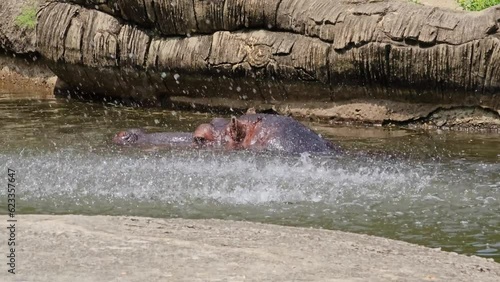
point(101, 248)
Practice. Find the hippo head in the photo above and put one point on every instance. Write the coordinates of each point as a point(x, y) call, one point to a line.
point(129, 137)
point(220, 132)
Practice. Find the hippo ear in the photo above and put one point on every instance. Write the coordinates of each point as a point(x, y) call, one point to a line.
point(237, 129)
point(236, 124)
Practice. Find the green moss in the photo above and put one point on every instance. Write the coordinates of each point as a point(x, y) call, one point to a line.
point(27, 17)
point(477, 5)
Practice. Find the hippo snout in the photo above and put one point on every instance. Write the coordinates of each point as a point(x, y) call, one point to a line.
point(125, 138)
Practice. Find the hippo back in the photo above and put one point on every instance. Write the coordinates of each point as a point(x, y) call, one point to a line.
point(289, 135)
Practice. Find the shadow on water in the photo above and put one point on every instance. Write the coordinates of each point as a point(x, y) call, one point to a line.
point(439, 190)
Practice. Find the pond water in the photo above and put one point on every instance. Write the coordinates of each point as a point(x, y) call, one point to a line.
point(439, 189)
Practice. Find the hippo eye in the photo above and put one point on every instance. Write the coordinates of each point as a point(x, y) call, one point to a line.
point(199, 140)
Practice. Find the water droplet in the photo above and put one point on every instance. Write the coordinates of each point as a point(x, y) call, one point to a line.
point(176, 76)
point(163, 75)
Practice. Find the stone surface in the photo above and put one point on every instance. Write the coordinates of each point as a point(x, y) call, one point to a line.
point(14, 37)
point(102, 248)
point(449, 4)
point(25, 75)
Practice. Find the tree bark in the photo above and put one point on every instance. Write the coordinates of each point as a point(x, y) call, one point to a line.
point(274, 50)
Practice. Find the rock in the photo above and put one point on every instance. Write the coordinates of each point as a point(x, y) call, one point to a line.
point(17, 35)
point(99, 248)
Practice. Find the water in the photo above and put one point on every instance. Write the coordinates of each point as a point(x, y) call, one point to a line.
point(439, 189)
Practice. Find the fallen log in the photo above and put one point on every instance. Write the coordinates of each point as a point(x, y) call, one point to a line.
point(273, 51)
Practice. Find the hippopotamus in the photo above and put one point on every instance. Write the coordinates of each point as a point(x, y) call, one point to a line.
point(138, 136)
point(258, 132)
point(263, 132)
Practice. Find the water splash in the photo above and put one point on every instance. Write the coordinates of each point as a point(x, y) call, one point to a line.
point(66, 165)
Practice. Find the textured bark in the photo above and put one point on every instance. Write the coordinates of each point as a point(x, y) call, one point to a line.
point(149, 49)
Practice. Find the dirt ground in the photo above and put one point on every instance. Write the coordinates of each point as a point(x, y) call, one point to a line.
point(104, 248)
point(23, 75)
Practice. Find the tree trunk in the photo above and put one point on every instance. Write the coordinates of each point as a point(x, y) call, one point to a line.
point(270, 51)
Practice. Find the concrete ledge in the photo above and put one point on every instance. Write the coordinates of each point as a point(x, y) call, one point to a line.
point(103, 248)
